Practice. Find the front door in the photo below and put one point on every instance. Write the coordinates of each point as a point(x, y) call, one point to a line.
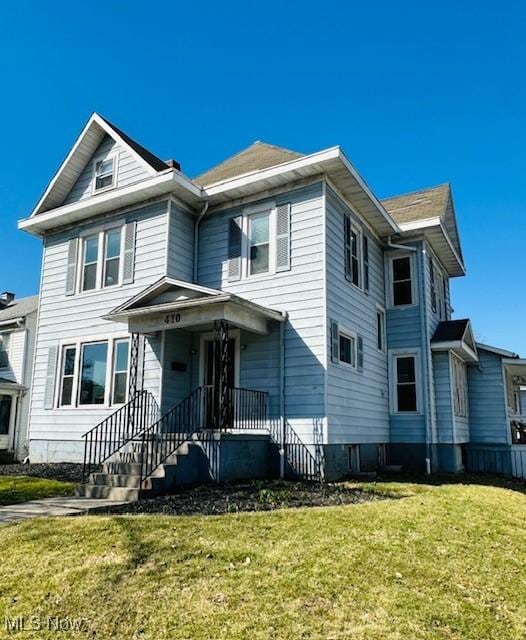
point(6, 406)
point(211, 377)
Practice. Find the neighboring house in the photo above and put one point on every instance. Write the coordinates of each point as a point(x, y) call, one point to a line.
point(18, 321)
point(276, 274)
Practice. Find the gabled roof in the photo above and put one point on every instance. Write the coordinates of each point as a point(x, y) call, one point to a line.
point(457, 336)
point(428, 210)
point(19, 308)
point(258, 155)
point(86, 144)
point(496, 350)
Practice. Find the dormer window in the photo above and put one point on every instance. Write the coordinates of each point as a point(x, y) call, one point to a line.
point(104, 174)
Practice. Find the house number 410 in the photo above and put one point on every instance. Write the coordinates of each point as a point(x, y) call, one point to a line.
point(173, 318)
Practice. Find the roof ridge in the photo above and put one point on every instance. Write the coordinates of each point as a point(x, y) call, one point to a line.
point(417, 191)
point(276, 146)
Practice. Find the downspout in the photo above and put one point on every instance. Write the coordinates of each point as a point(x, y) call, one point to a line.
point(196, 237)
point(282, 425)
point(425, 357)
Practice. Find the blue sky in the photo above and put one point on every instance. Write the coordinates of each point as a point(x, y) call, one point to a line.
point(416, 97)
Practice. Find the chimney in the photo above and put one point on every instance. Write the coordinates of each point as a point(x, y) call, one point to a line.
point(6, 298)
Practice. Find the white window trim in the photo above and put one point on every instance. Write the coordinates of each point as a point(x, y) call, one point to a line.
point(414, 289)
point(351, 335)
point(108, 392)
point(381, 309)
point(358, 229)
point(100, 233)
point(111, 156)
point(393, 396)
point(453, 378)
point(260, 207)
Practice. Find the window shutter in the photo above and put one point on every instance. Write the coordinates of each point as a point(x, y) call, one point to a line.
point(365, 252)
point(49, 392)
point(335, 342)
point(71, 270)
point(283, 237)
point(347, 245)
point(359, 355)
point(234, 248)
point(128, 267)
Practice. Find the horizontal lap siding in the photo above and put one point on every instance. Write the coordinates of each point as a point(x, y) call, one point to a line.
point(79, 316)
point(17, 344)
point(487, 400)
point(444, 410)
point(176, 385)
point(129, 170)
point(299, 291)
point(181, 245)
point(404, 332)
point(357, 401)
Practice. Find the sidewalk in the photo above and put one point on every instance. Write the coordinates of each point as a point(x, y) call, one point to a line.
point(59, 506)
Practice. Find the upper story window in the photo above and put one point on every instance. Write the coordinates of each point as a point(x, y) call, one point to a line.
point(101, 260)
point(104, 174)
point(402, 281)
point(4, 349)
point(406, 400)
point(380, 329)
point(259, 243)
point(352, 237)
point(432, 284)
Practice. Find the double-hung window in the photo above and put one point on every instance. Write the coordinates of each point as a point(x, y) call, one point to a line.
point(4, 349)
point(352, 238)
point(101, 260)
point(401, 281)
point(104, 174)
point(258, 243)
point(460, 387)
point(347, 353)
point(406, 397)
point(94, 373)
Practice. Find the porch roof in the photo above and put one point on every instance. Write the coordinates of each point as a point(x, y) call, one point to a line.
point(176, 304)
point(10, 386)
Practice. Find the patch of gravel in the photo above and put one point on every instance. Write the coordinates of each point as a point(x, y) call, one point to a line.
point(66, 471)
point(213, 499)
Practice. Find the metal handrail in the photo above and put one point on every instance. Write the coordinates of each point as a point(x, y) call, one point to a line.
point(117, 429)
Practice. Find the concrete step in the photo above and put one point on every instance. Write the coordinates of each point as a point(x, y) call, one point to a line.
point(120, 494)
point(126, 480)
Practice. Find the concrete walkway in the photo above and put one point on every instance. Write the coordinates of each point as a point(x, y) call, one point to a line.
point(60, 506)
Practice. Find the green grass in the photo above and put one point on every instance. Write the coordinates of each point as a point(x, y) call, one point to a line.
point(444, 561)
point(15, 489)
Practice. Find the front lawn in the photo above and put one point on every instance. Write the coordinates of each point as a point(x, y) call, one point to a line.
point(15, 489)
point(445, 561)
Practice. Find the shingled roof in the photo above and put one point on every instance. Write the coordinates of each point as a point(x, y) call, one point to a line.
point(19, 308)
point(258, 155)
point(434, 202)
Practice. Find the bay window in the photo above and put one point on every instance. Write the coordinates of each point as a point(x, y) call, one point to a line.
point(406, 396)
point(401, 281)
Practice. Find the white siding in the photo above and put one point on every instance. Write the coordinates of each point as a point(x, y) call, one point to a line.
point(79, 316)
point(129, 170)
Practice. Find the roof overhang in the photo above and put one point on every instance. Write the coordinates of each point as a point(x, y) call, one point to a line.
point(7, 386)
point(436, 234)
point(459, 347)
point(515, 366)
point(330, 162)
point(150, 311)
point(499, 352)
point(170, 182)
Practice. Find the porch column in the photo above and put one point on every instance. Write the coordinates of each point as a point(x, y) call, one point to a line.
point(222, 392)
point(136, 357)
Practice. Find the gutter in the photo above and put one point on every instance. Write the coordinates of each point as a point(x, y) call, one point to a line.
point(196, 238)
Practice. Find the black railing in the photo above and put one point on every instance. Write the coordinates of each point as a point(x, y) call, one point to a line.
point(300, 463)
point(245, 408)
point(117, 429)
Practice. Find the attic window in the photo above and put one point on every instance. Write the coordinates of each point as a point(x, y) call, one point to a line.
point(104, 174)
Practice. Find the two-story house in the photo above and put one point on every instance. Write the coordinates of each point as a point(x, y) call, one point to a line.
point(18, 322)
point(274, 290)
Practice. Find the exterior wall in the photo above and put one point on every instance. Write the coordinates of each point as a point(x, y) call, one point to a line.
point(129, 170)
point(180, 259)
point(487, 400)
point(176, 385)
point(17, 350)
point(55, 433)
point(357, 400)
point(404, 334)
point(299, 291)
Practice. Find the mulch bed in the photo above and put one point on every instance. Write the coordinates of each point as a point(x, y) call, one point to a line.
point(65, 471)
point(213, 499)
